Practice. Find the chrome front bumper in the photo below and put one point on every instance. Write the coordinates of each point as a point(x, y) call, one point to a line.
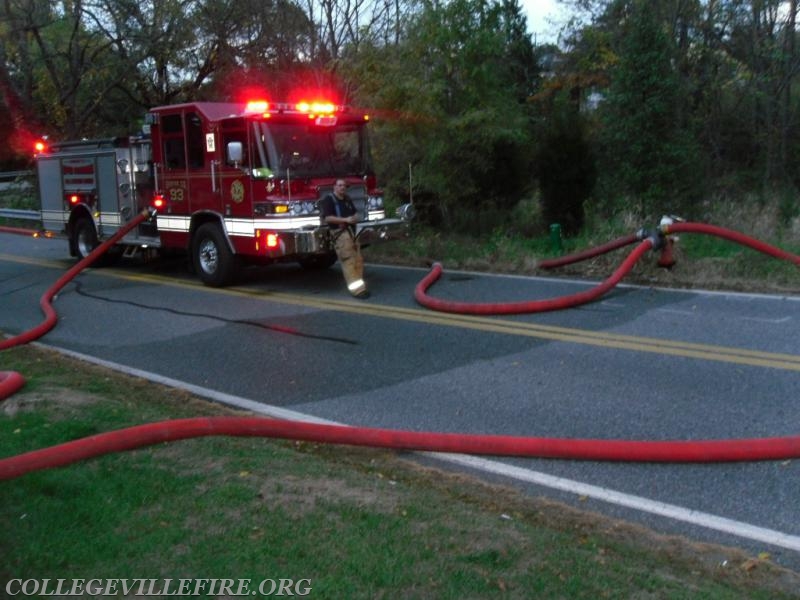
point(385, 230)
point(320, 241)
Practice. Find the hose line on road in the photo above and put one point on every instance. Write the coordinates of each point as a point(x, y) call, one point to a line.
point(679, 451)
point(9, 380)
point(513, 308)
point(655, 241)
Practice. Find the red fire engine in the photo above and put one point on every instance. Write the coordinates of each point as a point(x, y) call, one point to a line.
point(230, 182)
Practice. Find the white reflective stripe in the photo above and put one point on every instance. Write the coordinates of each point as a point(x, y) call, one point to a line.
point(355, 284)
point(110, 218)
point(248, 227)
point(172, 223)
point(240, 227)
point(55, 215)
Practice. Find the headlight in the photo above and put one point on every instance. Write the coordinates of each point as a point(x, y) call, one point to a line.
point(375, 202)
point(302, 208)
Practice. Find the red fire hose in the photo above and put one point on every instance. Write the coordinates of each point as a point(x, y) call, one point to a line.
point(590, 253)
point(656, 240)
point(10, 381)
point(512, 308)
point(733, 236)
point(51, 318)
point(778, 448)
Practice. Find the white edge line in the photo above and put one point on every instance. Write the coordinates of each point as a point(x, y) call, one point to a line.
point(672, 511)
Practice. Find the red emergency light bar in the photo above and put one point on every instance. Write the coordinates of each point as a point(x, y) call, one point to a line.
point(317, 108)
point(257, 106)
point(322, 112)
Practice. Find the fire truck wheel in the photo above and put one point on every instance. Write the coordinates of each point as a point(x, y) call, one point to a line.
point(84, 241)
point(318, 262)
point(212, 258)
point(84, 238)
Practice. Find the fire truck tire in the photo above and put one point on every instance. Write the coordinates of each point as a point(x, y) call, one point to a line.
point(318, 262)
point(84, 240)
point(212, 258)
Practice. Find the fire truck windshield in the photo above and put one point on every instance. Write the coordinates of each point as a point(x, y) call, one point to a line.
point(309, 150)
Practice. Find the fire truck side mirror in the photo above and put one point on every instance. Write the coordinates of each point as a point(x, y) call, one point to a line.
point(235, 152)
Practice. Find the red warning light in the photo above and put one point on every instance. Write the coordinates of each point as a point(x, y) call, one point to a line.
point(257, 106)
point(273, 240)
point(74, 199)
point(158, 201)
point(316, 108)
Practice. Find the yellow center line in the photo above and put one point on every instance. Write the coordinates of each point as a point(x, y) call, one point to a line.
point(600, 339)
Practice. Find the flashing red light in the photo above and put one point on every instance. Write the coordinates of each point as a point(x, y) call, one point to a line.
point(319, 108)
point(74, 199)
point(39, 146)
point(257, 106)
point(273, 240)
point(159, 201)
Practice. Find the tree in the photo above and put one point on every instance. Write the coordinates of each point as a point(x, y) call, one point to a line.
point(92, 67)
point(648, 146)
point(59, 70)
point(566, 166)
point(760, 40)
point(455, 87)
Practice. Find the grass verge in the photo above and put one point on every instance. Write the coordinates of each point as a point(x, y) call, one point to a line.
point(357, 523)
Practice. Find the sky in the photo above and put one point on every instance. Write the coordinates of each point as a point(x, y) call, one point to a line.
point(539, 14)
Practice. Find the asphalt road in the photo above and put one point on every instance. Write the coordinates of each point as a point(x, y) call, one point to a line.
point(640, 364)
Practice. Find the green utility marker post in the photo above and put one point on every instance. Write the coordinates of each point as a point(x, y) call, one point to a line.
point(555, 238)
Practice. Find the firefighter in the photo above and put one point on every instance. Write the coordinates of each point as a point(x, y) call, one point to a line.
point(338, 211)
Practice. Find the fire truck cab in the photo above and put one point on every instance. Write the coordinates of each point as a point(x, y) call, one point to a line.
point(230, 182)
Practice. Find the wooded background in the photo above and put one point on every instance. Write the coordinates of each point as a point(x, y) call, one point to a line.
point(645, 106)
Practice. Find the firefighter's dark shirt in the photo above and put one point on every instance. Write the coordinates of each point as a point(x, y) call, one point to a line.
point(328, 206)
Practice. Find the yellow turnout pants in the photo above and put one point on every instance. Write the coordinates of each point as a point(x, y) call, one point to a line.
point(349, 254)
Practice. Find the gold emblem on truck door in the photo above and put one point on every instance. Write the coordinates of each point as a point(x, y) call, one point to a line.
point(237, 191)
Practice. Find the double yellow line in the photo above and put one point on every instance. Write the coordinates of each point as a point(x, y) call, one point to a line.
point(547, 332)
point(663, 346)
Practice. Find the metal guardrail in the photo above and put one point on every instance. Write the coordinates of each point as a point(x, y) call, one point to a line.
point(5, 175)
point(18, 213)
point(16, 186)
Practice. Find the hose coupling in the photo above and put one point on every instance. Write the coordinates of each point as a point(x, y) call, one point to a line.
point(667, 221)
point(656, 237)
